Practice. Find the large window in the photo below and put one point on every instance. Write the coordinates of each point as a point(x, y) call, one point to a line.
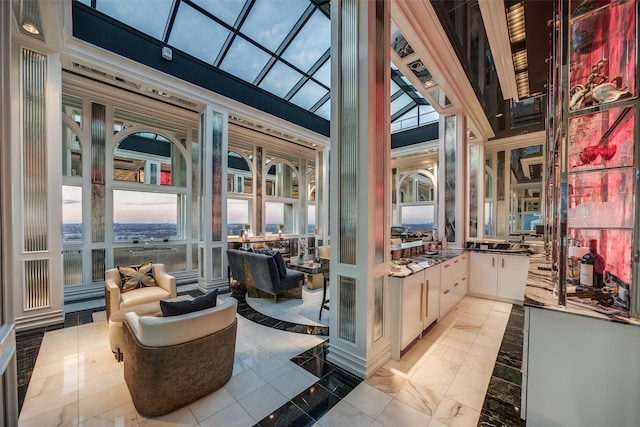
point(417, 197)
point(71, 214)
point(149, 179)
point(418, 218)
point(279, 213)
point(139, 215)
point(239, 191)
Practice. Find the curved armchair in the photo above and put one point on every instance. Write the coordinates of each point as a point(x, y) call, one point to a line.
point(116, 300)
point(173, 361)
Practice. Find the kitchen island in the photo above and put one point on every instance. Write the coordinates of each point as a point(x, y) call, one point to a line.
point(579, 365)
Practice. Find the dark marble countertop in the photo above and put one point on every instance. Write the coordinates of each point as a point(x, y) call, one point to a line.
point(420, 262)
point(540, 293)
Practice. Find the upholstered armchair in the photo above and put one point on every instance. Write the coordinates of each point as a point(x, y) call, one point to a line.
point(172, 361)
point(115, 299)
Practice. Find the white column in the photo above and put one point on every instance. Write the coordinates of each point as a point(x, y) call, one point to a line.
point(360, 185)
point(8, 373)
point(212, 197)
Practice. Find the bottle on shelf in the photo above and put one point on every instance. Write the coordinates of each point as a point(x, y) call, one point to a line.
point(592, 267)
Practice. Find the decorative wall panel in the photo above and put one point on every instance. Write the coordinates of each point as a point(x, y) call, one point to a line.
point(72, 268)
point(34, 147)
point(474, 163)
point(347, 309)
point(98, 135)
point(97, 265)
point(36, 284)
point(216, 182)
point(348, 156)
point(450, 177)
point(378, 309)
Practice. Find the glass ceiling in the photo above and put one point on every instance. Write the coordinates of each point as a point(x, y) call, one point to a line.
point(280, 46)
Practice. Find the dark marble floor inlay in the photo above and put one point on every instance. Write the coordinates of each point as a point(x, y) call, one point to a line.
point(503, 399)
point(248, 312)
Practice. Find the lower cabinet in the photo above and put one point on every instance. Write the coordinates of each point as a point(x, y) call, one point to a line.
point(498, 276)
point(414, 305)
point(453, 283)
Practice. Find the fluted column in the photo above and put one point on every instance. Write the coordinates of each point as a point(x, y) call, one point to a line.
point(360, 185)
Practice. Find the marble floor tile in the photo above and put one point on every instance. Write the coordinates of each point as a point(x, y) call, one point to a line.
point(454, 414)
point(368, 400)
point(292, 383)
point(282, 378)
point(208, 405)
point(178, 418)
point(419, 397)
point(399, 414)
point(345, 414)
point(233, 415)
point(262, 402)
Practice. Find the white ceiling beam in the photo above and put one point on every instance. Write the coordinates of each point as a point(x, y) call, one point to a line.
point(494, 16)
point(419, 24)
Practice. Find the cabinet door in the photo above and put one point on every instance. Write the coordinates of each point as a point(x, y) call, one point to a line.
point(483, 274)
point(432, 295)
point(412, 306)
point(512, 279)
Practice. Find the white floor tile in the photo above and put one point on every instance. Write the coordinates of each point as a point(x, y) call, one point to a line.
point(398, 414)
point(231, 416)
point(63, 415)
point(263, 402)
point(178, 418)
point(292, 384)
point(454, 414)
point(210, 404)
point(244, 383)
point(344, 414)
point(368, 399)
point(122, 416)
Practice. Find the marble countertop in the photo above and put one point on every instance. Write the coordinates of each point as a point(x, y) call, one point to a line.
point(539, 293)
point(420, 262)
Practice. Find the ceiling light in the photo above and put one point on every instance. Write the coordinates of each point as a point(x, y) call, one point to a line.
point(30, 28)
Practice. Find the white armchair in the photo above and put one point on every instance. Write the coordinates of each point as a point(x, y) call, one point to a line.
point(115, 300)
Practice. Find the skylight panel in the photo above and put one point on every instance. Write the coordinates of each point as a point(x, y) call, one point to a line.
point(270, 21)
point(313, 40)
point(308, 95)
point(280, 80)
point(196, 34)
point(323, 75)
point(227, 11)
point(148, 16)
point(394, 87)
point(400, 102)
point(244, 60)
point(325, 110)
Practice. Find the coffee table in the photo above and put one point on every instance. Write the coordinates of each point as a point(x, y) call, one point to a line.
point(117, 317)
point(312, 270)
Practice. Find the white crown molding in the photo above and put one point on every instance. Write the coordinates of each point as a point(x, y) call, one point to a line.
point(494, 16)
point(421, 28)
point(522, 140)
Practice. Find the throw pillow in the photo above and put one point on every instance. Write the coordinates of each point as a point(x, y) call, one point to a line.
point(282, 267)
point(176, 308)
point(136, 276)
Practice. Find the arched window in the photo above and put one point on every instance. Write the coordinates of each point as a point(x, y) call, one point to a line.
point(149, 188)
point(417, 201)
point(281, 196)
point(239, 192)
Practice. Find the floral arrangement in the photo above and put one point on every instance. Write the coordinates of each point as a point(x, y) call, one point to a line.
point(301, 245)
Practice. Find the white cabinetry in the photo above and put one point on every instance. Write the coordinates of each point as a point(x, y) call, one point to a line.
point(453, 283)
point(498, 276)
point(432, 294)
point(414, 305)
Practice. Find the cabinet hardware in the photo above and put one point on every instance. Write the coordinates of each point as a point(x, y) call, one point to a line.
point(446, 292)
point(421, 298)
point(456, 284)
point(426, 306)
point(493, 262)
point(456, 261)
point(502, 262)
point(447, 266)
